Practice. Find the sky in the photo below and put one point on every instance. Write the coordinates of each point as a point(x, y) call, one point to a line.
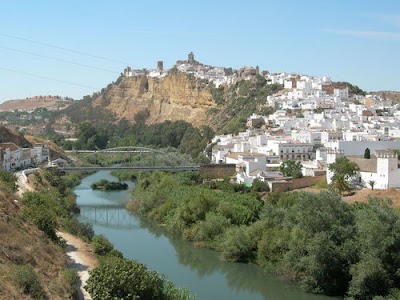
point(74, 48)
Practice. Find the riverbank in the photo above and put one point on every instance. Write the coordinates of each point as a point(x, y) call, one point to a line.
point(79, 254)
point(299, 235)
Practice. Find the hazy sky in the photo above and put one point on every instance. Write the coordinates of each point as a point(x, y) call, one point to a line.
point(82, 45)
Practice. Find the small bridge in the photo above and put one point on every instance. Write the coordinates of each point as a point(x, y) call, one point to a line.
point(131, 158)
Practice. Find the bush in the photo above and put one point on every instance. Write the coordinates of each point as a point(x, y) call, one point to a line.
point(9, 180)
point(27, 279)
point(76, 227)
point(124, 279)
point(260, 186)
point(101, 245)
point(71, 278)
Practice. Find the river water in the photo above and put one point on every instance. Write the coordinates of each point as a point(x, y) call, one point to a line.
point(199, 270)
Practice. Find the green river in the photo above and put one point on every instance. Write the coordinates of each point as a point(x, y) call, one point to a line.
point(199, 270)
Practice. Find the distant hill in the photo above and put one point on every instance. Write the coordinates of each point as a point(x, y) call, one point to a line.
point(392, 96)
point(221, 98)
point(177, 96)
point(33, 103)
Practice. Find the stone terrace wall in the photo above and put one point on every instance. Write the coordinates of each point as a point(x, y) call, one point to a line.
point(297, 183)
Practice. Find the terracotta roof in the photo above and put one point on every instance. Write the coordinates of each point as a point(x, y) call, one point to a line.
point(11, 146)
point(367, 113)
point(366, 165)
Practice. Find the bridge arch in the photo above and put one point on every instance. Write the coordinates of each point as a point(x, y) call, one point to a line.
point(159, 160)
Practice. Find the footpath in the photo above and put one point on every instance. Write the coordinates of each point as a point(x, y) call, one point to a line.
point(81, 258)
point(79, 254)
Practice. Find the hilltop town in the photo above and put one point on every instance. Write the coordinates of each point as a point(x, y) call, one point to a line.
point(312, 120)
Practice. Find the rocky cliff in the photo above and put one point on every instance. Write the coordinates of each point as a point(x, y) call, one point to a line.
point(8, 136)
point(174, 97)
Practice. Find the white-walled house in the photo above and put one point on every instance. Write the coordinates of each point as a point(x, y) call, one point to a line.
point(291, 150)
point(40, 153)
point(14, 157)
point(383, 169)
point(10, 156)
point(248, 165)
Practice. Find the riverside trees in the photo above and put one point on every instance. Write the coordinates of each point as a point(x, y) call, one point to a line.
point(327, 245)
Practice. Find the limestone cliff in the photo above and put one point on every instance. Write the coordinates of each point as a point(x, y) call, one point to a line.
point(174, 97)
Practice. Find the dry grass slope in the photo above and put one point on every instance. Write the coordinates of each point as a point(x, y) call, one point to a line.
point(24, 247)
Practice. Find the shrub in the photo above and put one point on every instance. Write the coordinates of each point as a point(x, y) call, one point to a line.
point(71, 278)
point(101, 245)
point(124, 279)
point(76, 227)
point(9, 180)
point(27, 279)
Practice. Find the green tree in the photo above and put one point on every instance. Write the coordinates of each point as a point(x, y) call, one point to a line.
point(291, 168)
point(259, 186)
point(367, 153)
point(343, 170)
point(101, 245)
point(9, 180)
point(124, 279)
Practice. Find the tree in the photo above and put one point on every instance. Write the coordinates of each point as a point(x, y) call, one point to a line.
point(124, 279)
point(259, 186)
point(367, 153)
point(9, 180)
point(291, 168)
point(101, 245)
point(372, 184)
point(343, 170)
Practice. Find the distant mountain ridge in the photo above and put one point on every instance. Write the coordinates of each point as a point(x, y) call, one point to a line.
point(48, 102)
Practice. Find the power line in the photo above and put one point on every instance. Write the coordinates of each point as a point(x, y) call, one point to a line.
point(68, 50)
point(58, 59)
point(48, 78)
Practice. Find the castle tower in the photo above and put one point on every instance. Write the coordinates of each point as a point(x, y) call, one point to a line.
point(160, 65)
point(191, 57)
point(331, 156)
point(387, 162)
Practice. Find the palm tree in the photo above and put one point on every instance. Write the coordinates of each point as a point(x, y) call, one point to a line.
point(372, 184)
point(341, 184)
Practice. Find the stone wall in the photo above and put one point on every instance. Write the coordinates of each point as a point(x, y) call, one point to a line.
point(298, 183)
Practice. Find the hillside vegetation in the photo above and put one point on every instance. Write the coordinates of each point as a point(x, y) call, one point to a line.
point(31, 265)
point(317, 239)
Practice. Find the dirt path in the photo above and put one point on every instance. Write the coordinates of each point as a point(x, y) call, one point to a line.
point(79, 254)
point(81, 259)
point(22, 182)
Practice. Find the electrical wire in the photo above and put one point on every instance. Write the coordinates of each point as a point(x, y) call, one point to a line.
point(68, 50)
point(48, 78)
point(58, 59)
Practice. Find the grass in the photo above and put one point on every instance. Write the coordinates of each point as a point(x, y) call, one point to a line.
point(30, 264)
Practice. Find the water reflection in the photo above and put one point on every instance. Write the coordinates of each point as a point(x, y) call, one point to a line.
point(239, 277)
point(200, 270)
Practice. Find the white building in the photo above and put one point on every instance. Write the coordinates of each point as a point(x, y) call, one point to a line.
point(383, 170)
point(248, 166)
